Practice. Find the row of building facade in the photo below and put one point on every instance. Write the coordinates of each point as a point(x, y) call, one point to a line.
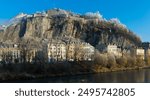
point(73, 51)
point(55, 52)
point(142, 52)
point(11, 53)
point(60, 51)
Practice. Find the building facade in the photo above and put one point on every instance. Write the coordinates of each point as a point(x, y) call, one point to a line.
point(140, 52)
point(31, 55)
point(56, 52)
point(113, 49)
point(71, 51)
point(10, 54)
point(85, 52)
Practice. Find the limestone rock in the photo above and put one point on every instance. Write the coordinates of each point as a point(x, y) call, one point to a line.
point(60, 24)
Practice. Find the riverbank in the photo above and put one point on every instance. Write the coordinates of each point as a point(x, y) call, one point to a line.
point(115, 69)
point(10, 76)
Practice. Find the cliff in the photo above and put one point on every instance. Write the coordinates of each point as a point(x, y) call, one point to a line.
point(57, 23)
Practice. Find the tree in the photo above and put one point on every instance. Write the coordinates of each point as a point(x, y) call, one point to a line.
point(131, 61)
point(147, 61)
point(7, 57)
point(111, 61)
point(100, 59)
point(121, 61)
point(78, 52)
point(140, 62)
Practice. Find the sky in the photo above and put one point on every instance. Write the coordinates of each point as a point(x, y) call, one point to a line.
point(135, 14)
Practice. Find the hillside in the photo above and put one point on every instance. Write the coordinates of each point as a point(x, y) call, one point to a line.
point(57, 23)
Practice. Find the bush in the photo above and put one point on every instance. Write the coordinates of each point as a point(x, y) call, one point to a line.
point(147, 61)
point(100, 59)
point(111, 61)
point(140, 62)
point(121, 61)
point(131, 61)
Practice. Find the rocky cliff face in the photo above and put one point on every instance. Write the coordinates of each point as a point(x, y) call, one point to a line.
point(59, 24)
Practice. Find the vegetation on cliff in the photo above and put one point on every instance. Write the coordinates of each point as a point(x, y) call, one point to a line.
point(57, 23)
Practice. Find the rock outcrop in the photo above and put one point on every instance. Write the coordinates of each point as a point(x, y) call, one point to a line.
point(58, 23)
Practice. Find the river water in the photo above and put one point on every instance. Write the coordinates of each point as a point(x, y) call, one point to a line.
point(133, 76)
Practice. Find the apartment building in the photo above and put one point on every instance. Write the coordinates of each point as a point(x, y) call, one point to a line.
point(56, 51)
point(10, 54)
point(85, 52)
point(113, 49)
point(140, 52)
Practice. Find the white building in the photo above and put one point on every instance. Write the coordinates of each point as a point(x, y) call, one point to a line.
point(56, 51)
point(88, 52)
point(79, 51)
point(148, 52)
point(140, 52)
point(113, 49)
point(11, 55)
point(31, 55)
point(40, 14)
point(71, 52)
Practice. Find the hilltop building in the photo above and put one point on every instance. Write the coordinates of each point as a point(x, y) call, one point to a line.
point(40, 14)
point(57, 12)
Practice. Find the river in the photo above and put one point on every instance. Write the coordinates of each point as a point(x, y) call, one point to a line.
point(133, 76)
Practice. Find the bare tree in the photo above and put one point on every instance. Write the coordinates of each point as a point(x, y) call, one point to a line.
point(121, 61)
point(100, 59)
point(111, 61)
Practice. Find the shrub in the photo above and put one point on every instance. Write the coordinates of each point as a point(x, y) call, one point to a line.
point(131, 61)
point(100, 59)
point(121, 61)
point(140, 62)
point(147, 61)
point(111, 61)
